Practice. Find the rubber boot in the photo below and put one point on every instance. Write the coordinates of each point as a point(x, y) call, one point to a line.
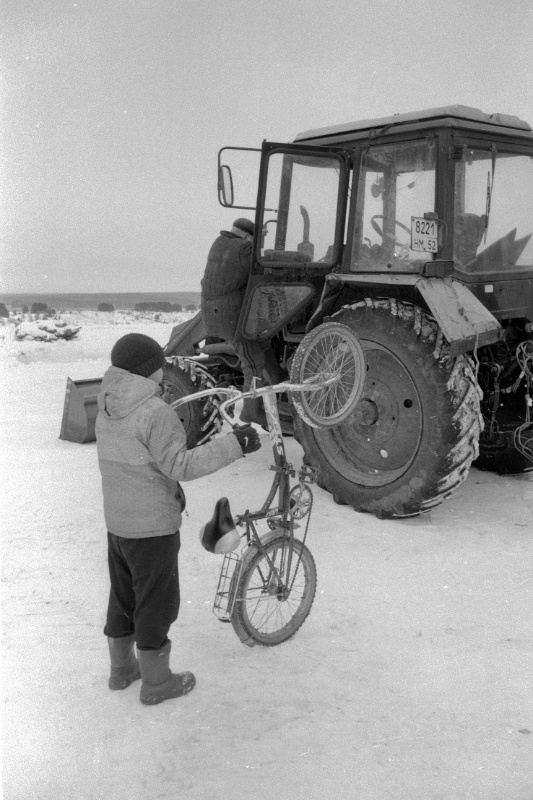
point(124, 666)
point(159, 683)
point(253, 410)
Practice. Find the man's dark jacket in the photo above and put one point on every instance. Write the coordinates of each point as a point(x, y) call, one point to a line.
point(224, 284)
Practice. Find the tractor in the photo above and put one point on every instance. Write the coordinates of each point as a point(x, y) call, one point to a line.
point(415, 231)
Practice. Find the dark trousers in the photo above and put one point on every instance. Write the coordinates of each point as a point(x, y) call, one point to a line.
point(145, 592)
point(258, 359)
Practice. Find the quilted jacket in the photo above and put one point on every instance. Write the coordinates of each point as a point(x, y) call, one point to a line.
point(224, 283)
point(142, 455)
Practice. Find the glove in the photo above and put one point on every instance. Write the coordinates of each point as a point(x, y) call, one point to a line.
point(248, 438)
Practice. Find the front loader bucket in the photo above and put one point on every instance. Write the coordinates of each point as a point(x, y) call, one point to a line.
point(80, 410)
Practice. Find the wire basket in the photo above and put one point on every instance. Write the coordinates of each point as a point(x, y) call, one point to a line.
point(227, 584)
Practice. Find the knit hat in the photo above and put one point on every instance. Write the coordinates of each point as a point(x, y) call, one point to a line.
point(245, 225)
point(138, 354)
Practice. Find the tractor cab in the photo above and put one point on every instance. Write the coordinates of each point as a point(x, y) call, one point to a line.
point(441, 193)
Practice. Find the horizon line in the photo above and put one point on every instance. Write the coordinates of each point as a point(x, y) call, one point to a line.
point(51, 292)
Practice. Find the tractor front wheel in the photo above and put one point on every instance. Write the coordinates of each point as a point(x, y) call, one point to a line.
point(199, 417)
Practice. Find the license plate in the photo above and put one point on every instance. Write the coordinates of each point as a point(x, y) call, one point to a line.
point(424, 234)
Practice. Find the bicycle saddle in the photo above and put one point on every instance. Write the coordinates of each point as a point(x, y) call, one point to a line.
point(219, 535)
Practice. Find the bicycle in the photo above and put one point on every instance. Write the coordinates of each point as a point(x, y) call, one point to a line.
point(266, 591)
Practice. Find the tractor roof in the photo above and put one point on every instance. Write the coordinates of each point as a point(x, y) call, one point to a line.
point(447, 115)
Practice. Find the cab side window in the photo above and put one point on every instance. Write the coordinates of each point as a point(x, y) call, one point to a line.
point(396, 183)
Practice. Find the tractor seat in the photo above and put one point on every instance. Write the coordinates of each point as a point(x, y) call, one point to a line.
point(219, 535)
point(285, 256)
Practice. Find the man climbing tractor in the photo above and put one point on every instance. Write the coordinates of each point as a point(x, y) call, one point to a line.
point(223, 288)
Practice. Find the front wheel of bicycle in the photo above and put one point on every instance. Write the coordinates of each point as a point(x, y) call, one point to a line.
point(275, 591)
point(331, 356)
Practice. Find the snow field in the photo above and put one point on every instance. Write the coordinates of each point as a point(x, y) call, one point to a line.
point(411, 679)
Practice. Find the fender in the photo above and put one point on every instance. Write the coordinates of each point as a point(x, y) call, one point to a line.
point(463, 319)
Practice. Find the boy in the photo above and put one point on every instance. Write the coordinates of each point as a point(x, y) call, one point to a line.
point(142, 455)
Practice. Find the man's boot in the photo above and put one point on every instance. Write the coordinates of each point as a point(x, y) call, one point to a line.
point(159, 683)
point(124, 666)
point(253, 410)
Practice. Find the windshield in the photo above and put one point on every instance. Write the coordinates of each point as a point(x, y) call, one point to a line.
point(396, 188)
point(493, 216)
point(300, 214)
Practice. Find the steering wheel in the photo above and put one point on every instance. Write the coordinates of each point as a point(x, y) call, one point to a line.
point(380, 230)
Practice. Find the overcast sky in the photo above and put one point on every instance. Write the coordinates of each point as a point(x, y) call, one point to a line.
point(114, 111)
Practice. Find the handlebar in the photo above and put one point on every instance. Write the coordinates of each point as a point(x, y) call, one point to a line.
point(234, 395)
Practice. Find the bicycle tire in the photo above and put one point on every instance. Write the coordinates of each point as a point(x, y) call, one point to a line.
point(329, 350)
point(261, 611)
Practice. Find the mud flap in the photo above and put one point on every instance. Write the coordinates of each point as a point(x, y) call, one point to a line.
point(80, 410)
point(465, 322)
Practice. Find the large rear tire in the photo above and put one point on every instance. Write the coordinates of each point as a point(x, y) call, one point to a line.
point(199, 417)
point(414, 433)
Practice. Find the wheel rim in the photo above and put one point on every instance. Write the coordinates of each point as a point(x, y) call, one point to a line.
point(337, 356)
point(379, 441)
point(266, 606)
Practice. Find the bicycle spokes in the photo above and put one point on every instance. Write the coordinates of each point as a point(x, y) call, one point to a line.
point(330, 360)
point(276, 592)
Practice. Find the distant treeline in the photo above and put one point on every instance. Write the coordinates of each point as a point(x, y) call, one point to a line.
point(36, 308)
point(163, 307)
point(148, 306)
point(121, 301)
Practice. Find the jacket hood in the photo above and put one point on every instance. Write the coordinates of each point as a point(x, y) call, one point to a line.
point(122, 392)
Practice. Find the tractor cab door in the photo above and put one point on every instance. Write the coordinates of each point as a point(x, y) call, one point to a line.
point(300, 228)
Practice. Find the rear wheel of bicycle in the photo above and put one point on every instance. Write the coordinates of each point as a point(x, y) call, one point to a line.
point(273, 596)
point(331, 355)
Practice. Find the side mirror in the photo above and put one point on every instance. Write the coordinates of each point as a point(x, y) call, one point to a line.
point(244, 164)
point(225, 186)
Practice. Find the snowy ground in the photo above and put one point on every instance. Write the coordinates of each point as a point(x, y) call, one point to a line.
point(412, 678)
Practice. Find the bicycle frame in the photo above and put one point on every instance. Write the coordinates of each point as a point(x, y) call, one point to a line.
point(267, 590)
point(283, 469)
point(280, 485)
